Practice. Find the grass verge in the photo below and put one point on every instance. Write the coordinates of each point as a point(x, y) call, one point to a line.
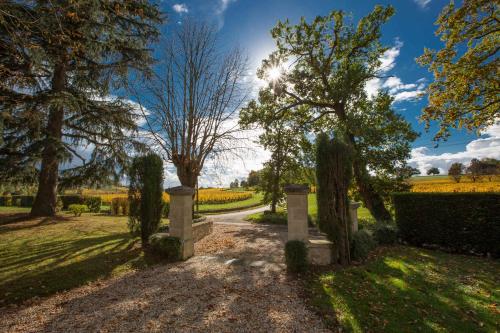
point(41, 256)
point(405, 289)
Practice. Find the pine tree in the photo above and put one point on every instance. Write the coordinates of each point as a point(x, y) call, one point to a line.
point(65, 60)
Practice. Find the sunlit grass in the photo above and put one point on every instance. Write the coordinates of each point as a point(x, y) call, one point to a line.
point(39, 257)
point(405, 289)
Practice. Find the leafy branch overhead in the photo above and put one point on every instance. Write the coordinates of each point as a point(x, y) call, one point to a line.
point(465, 91)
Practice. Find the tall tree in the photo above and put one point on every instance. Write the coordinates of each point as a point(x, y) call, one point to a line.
point(58, 100)
point(281, 139)
point(433, 171)
point(464, 93)
point(332, 61)
point(192, 99)
point(474, 170)
point(455, 171)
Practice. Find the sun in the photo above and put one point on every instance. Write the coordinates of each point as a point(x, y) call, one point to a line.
point(274, 73)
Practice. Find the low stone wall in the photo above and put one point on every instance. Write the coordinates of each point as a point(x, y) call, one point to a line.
point(320, 252)
point(202, 229)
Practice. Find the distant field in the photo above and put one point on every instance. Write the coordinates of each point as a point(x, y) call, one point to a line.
point(446, 184)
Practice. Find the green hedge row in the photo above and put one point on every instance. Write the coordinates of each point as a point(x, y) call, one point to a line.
point(461, 222)
point(94, 203)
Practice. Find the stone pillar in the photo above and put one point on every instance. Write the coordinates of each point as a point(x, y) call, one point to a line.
point(296, 201)
point(353, 215)
point(181, 218)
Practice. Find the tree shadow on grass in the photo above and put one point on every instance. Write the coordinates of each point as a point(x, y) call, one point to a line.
point(65, 264)
point(408, 289)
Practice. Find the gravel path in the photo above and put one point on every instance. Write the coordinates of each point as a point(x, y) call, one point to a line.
point(235, 283)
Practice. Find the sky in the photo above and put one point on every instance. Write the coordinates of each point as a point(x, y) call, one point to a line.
point(247, 24)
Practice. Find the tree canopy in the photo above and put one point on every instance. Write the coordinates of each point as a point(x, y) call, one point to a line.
point(318, 76)
point(63, 63)
point(465, 91)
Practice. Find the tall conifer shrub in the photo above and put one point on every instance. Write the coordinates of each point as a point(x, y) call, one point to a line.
point(334, 173)
point(145, 195)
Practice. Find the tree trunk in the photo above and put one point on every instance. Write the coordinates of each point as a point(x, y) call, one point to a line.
point(371, 199)
point(46, 197)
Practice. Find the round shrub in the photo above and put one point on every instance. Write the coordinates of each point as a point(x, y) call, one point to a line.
point(361, 244)
point(167, 247)
point(296, 256)
point(93, 203)
point(385, 234)
point(77, 210)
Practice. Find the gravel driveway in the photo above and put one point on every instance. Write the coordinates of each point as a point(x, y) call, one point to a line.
point(235, 283)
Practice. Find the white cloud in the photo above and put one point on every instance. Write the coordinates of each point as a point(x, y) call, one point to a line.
point(423, 159)
point(422, 3)
point(395, 86)
point(180, 8)
point(220, 9)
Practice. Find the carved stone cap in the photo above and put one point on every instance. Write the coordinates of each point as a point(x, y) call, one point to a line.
point(354, 204)
point(296, 189)
point(180, 190)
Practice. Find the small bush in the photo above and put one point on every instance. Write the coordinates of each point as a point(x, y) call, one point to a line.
point(361, 244)
point(385, 234)
point(459, 222)
point(77, 210)
point(93, 203)
point(167, 247)
point(119, 206)
point(296, 256)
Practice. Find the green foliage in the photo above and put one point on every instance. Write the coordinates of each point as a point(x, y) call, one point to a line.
point(296, 256)
point(145, 195)
point(81, 50)
point(464, 93)
point(93, 203)
point(362, 244)
point(433, 171)
point(77, 209)
point(120, 206)
point(168, 247)
point(455, 171)
point(325, 91)
point(385, 233)
point(68, 200)
point(166, 209)
point(16, 200)
point(253, 178)
point(462, 222)
point(334, 172)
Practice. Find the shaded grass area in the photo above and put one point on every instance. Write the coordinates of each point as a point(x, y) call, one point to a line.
point(41, 256)
point(280, 217)
point(14, 210)
point(254, 201)
point(405, 289)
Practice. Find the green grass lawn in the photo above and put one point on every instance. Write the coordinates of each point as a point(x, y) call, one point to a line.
point(254, 201)
point(363, 213)
point(14, 210)
point(405, 289)
point(39, 257)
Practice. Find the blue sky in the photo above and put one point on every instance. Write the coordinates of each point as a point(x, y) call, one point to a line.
point(247, 24)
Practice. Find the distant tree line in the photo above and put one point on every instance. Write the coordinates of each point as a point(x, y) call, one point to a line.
point(485, 168)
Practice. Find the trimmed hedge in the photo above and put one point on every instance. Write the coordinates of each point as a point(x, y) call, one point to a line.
point(460, 222)
point(68, 200)
point(296, 256)
point(167, 247)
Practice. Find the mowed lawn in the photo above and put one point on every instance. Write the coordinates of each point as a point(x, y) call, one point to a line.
point(41, 256)
point(405, 289)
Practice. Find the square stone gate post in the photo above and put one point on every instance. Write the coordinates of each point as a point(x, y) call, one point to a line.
point(181, 218)
point(353, 215)
point(296, 202)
